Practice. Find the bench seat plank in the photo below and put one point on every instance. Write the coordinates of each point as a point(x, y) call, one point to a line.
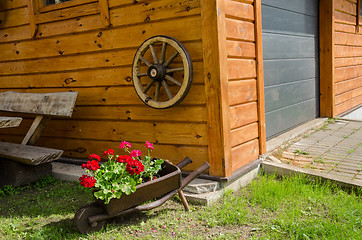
point(51, 104)
point(27, 154)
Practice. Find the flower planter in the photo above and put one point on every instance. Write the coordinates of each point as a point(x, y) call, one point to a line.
point(169, 180)
point(93, 217)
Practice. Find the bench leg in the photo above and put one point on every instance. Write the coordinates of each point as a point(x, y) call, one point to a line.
point(18, 174)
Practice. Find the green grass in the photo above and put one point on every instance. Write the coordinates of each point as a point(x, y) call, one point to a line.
point(326, 123)
point(298, 152)
point(350, 151)
point(269, 208)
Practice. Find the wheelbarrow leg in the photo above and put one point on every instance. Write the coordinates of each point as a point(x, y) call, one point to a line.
point(184, 200)
point(182, 164)
point(188, 179)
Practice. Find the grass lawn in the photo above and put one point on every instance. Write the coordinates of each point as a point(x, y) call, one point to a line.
point(269, 208)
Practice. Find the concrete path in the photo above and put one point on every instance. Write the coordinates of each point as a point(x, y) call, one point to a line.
point(355, 115)
point(334, 149)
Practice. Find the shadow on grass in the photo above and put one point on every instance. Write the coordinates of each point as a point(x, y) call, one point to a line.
point(66, 228)
point(55, 198)
point(63, 229)
point(136, 218)
point(45, 211)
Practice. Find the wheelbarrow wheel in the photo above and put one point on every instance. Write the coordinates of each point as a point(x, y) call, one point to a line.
point(81, 219)
point(162, 72)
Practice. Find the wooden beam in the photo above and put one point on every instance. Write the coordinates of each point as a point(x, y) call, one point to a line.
point(104, 10)
point(260, 76)
point(33, 6)
point(357, 15)
point(35, 130)
point(216, 86)
point(67, 13)
point(68, 4)
point(326, 43)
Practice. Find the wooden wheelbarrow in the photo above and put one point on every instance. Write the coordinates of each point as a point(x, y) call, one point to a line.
point(93, 217)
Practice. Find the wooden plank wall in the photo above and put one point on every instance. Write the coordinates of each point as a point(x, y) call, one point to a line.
point(348, 56)
point(242, 81)
point(78, 53)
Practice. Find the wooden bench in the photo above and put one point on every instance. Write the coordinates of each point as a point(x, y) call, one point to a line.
point(30, 158)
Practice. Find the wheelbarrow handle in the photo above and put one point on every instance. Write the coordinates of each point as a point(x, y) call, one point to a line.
point(139, 208)
point(194, 174)
point(169, 195)
point(184, 162)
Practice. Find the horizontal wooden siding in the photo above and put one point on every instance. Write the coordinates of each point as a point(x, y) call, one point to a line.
point(242, 81)
point(348, 57)
point(76, 52)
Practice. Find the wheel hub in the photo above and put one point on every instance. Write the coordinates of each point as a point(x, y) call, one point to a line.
point(156, 72)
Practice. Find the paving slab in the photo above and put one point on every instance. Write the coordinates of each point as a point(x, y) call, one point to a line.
point(337, 153)
point(287, 169)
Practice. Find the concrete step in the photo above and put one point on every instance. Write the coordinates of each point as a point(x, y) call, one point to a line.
point(198, 186)
point(66, 171)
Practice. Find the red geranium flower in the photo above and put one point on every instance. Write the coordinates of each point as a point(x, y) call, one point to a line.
point(135, 153)
point(91, 165)
point(124, 159)
point(94, 156)
point(135, 167)
point(149, 145)
point(87, 181)
point(109, 152)
point(125, 144)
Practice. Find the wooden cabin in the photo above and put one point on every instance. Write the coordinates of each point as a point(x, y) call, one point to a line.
point(260, 67)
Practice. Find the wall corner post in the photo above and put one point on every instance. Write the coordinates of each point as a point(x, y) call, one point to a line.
point(326, 54)
point(260, 76)
point(216, 86)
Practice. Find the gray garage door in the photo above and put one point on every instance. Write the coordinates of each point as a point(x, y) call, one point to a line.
point(291, 72)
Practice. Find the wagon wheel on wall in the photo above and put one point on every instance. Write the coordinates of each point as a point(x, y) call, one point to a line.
point(162, 72)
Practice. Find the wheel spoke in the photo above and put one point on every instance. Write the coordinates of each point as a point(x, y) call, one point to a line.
point(170, 70)
point(169, 61)
point(148, 86)
point(145, 61)
point(141, 74)
point(168, 91)
point(157, 91)
point(171, 79)
point(154, 55)
point(163, 52)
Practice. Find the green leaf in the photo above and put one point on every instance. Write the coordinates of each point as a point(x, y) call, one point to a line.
point(99, 195)
point(118, 194)
point(126, 188)
point(158, 161)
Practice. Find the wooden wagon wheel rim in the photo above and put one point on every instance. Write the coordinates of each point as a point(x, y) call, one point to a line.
point(81, 219)
point(159, 72)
